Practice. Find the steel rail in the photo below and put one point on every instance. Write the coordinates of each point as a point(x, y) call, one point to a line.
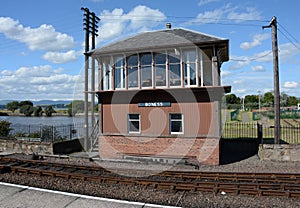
point(258, 184)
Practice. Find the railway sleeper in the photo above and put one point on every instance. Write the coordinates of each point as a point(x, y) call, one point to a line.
point(273, 193)
point(5, 169)
point(292, 187)
point(295, 194)
point(185, 187)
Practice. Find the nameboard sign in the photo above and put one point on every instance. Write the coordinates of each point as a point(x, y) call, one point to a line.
point(155, 104)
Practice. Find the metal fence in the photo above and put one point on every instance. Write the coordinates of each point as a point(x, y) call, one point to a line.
point(47, 133)
point(290, 132)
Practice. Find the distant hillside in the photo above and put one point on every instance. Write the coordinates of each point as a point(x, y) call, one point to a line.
point(41, 102)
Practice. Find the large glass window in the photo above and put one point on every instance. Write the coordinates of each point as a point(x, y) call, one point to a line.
point(133, 123)
point(189, 57)
point(146, 69)
point(133, 75)
point(120, 72)
point(174, 68)
point(160, 69)
point(176, 123)
point(106, 73)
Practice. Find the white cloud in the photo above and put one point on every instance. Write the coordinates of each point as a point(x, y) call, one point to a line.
point(116, 23)
point(38, 82)
point(249, 14)
point(204, 2)
point(225, 13)
point(258, 68)
point(59, 58)
point(257, 40)
point(291, 84)
point(225, 73)
point(42, 38)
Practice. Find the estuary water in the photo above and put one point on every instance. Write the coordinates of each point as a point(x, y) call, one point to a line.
point(60, 126)
point(48, 121)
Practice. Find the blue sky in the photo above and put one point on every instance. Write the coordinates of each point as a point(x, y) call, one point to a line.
point(42, 41)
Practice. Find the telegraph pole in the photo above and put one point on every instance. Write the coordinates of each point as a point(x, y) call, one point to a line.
point(90, 27)
point(273, 25)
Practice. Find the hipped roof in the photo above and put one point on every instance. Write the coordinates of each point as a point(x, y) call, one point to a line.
point(162, 39)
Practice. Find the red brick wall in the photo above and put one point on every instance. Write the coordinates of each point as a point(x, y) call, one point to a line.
point(205, 150)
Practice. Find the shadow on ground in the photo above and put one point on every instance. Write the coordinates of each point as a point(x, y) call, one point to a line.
point(234, 150)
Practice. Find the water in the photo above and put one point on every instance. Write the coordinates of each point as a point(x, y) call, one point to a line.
point(49, 121)
point(50, 128)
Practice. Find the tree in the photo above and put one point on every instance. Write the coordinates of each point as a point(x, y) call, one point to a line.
point(232, 99)
point(4, 128)
point(38, 111)
point(268, 99)
point(49, 110)
point(251, 101)
point(27, 110)
point(292, 101)
point(76, 106)
point(26, 102)
point(12, 106)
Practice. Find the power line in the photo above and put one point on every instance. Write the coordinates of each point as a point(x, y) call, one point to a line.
point(288, 32)
point(252, 59)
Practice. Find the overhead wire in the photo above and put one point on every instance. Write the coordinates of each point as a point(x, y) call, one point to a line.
point(289, 39)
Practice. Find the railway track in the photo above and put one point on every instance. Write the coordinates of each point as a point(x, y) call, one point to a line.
point(258, 184)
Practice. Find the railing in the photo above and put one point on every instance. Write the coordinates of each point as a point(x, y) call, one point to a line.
point(290, 131)
point(47, 133)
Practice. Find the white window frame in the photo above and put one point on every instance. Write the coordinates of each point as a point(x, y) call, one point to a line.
point(106, 73)
point(174, 64)
point(159, 66)
point(123, 71)
point(171, 120)
point(138, 71)
point(149, 67)
point(187, 64)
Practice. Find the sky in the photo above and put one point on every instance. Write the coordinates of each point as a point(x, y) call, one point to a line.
point(42, 42)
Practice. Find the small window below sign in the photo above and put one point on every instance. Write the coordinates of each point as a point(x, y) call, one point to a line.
point(134, 123)
point(176, 123)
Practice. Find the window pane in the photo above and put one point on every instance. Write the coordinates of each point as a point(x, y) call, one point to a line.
point(175, 74)
point(133, 77)
point(119, 62)
point(119, 78)
point(146, 59)
point(176, 126)
point(160, 75)
point(134, 126)
point(174, 57)
point(176, 123)
point(146, 73)
point(160, 69)
point(176, 116)
point(134, 123)
point(119, 72)
point(160, 58)
point(106, 73)
point(132, 60)
point(189, 56)
point(190, 73)
point(134, 116)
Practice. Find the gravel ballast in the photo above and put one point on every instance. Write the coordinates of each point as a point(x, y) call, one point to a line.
point(163, 197)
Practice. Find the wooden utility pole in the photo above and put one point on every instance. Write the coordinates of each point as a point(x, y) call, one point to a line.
point(273, 25)
point(90, 25)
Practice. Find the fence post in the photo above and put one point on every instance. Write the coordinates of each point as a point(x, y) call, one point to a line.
point(260, 133)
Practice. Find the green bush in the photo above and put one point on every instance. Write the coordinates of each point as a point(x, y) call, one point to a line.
point(4, 128)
